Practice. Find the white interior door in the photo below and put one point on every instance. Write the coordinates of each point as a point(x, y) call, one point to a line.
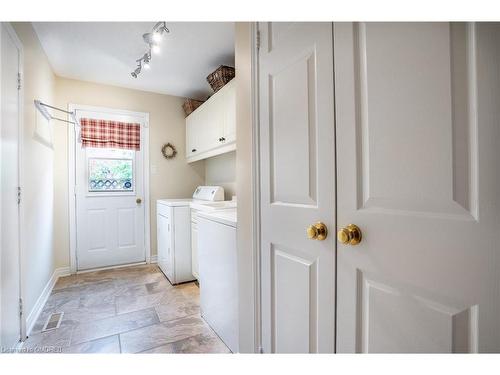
point(10, 321)
point(297, 174)
point(418, 142)
point(110, 214)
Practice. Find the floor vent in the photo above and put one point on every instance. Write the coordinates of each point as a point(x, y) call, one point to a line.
point(53, 321)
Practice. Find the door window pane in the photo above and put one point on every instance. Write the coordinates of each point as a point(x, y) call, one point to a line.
point(106, 174)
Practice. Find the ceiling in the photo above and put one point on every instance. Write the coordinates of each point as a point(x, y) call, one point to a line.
point(105, 52)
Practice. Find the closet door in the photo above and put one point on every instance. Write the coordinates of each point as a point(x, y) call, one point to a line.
point(297, 171)
point(418, 145)
point(11, 321)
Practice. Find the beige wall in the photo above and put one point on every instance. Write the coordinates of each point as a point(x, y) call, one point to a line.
point(221, 170)
point(173, 178)
point(246, 253)
point(37, 173)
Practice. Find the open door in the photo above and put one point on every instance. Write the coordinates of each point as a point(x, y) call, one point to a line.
point(297, 161)
point(418, 149)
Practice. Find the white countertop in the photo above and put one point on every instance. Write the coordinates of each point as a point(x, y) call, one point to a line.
point(175, 201)
point(227, 217)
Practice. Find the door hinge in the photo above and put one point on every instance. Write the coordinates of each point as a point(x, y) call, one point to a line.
point(19, 81)
point(19, 195)
point(258, 39)
point(20, 307)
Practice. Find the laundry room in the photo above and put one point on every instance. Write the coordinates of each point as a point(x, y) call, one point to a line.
point(143, 158)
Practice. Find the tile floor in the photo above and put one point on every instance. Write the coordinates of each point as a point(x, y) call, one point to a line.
point(125, 310)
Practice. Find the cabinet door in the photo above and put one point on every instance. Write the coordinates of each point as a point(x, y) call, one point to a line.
point(230, 114)
point(191, 134)
point(211, 127)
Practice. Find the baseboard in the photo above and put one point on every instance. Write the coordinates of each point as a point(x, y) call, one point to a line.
point(40, 303)
point(110, 267)
point(153, 259)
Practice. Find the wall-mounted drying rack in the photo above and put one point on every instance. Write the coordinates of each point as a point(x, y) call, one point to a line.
point(42, 107)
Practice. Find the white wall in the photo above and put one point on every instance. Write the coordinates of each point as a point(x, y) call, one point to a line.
point(221, 170)
point(38, 171)
point(173, 178)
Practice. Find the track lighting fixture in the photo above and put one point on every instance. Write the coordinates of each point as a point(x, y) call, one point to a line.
point(152, 39)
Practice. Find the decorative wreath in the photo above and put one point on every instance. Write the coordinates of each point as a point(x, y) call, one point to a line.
point(168, 150)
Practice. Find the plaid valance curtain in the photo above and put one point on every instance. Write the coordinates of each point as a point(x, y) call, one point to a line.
point(110, 134)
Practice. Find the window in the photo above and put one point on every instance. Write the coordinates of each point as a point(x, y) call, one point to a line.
point(110, 170)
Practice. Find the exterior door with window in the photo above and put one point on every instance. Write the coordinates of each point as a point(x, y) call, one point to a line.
point(110, 214)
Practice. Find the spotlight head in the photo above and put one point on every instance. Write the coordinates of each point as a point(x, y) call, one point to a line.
point(156, 37)
point(146, 65)
point(136, 72)
point(155, 49)
point(148, 38)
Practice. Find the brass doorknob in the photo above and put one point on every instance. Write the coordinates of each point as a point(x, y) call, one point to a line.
point(350, 235)
point(317, 231)
point(138, 201)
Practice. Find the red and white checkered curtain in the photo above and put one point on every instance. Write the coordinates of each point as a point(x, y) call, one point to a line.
point(110, 134)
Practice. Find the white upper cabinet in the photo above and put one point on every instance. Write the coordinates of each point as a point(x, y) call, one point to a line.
point(211, 129)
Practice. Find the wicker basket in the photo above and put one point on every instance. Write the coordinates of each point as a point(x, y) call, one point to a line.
point(190, 105)
point(220, 77)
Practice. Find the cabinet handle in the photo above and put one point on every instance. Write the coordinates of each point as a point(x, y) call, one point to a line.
point(193, 150)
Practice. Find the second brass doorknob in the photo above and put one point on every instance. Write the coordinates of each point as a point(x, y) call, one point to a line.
point(349, 235)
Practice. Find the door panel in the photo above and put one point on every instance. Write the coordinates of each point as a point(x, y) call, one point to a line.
point(398, 83)
point(96, 224)
point(416, 126)
point(293, 157)
point(126, 227)
point(296, 142)
point(295, 287)
point(10, 323)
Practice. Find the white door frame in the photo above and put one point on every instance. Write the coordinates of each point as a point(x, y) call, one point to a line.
point(255, 275)
point(20, 147)
point(72, 178)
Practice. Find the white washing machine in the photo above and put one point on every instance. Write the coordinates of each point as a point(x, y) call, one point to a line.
point(203, 206)
point(173, 218)
point(218, 273)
